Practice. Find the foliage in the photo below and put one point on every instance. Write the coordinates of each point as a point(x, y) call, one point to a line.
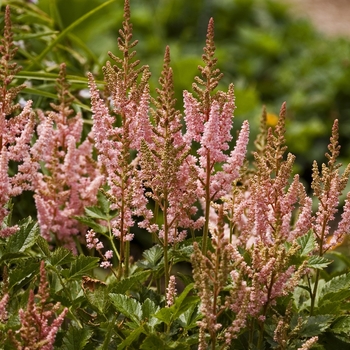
point(241, 256)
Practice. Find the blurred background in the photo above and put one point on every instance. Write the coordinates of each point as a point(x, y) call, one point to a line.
point(273, 51)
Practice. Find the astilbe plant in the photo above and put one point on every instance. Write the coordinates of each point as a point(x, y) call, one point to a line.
point(16, 130)
point(208, 122)
point(257, 249)
point(328, 186)
point(70, 177)
point(118, 132)
point(39, 324)
point(168, 171)
point(262, 218)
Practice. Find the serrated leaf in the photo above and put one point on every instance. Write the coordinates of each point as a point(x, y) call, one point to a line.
point(333, 295)
point(153, 256)
point(189, 318)
point(98, 298)
point(129, 307)
point(180, 299)
point(307, 243)
point(23, 274)
point(121, 287)
point(318, 262)
point(149, 308)
point(341, 325)
point(76, 338)
point(13, 256)
point(43, 245)
point(165, 315)
point(61, 256)
point(315, 325)
point(25, 237)
point(82, 265)
point(335, 285)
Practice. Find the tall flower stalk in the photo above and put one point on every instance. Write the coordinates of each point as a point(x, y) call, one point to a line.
point(16, 130)
point(167, 169)
point(39, 324)
point(209, 121)
point(70, 177)
point(120, 123)
point(328, 186)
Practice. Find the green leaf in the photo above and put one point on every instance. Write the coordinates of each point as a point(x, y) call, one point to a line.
point(183, 296)
point(318, 262)
point(333, 295)
point(108, 328)
point(135, 334)
point(316, 325)
point(25, 237)
point(341, 325)
point(24, 273)
point(43, 245)
point(165, 315)
point(153, 342)
point(82, 265)
point(61, 256)
point(10, 257)
point(335, 286)
point(126, 284)
point(92, 224)
point(103, 202)
point(156, 342)
point(96, 213)
point(129, 307)
point(149, 308)
point(152, 257)
point(98, 298)
point(307, 243)
point(181, 305)
point(59, 37)
point(76, 338)
point(189, 318)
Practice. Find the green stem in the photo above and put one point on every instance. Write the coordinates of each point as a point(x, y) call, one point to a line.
point(165, 243)
point(314, 292)
point(127, 257)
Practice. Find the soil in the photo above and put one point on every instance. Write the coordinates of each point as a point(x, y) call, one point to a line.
point(331, 17)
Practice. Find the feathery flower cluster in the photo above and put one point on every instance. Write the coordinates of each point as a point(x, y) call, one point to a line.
point(327, 187)
point(116, 144)
point(209, 121)
point(39, 324)
point(167, 169)
point(263, 212)
point(16, 129)
point(210, 274)
point(70, 179)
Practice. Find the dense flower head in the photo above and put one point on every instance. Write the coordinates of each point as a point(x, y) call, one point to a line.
point(16, 129)
point(71, 177)
point(39, 323)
